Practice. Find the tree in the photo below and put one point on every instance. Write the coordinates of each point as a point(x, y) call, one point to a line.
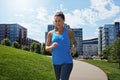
point(6, 42)
point(106, 53)
point(112, 53)
point(116, 50)
point(15, 44)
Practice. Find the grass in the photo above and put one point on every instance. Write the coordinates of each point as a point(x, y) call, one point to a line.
point(112, 69)
point(16, 64)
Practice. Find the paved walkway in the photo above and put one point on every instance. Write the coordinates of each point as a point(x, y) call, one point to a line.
point(85, 71)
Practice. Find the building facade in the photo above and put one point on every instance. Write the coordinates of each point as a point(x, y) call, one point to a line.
point(117, 26)
point(79, 38)
point(100, 40)
point(107, 35)
point(14, 32)
point(90, 47)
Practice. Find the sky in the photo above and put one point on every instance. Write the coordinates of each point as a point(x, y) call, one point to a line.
point(35, 15)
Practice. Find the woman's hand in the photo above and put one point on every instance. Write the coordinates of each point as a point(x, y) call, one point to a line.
point(74, 50)
point(54, 44)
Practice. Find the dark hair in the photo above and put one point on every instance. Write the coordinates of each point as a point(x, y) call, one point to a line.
point(60, 14)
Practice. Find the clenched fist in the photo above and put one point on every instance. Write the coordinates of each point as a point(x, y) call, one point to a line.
point(54, 44)
point(74, 51)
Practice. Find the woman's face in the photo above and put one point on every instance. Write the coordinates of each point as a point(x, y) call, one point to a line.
point(58, 22)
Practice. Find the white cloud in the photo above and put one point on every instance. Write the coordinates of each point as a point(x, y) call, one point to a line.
point(29, 10)
point(81, 17)
point(105, 9)
point(50, 19)
point(74, 19)
point(42, 15)
point(99, 10)
point(117, 19)
point(59, 8)
point(25, 14)
point(89, 16)
point(19, 15)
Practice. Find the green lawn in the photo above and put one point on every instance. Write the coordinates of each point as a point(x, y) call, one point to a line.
point(112, 69)
point(16, 64)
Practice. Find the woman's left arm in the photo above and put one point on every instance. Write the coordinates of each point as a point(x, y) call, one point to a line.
point(72, 38)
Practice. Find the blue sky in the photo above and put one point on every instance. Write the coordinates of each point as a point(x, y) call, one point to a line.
point(35, 15)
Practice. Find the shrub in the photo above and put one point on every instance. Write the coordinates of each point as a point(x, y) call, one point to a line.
point(32, 48)
point(26, 48)
point(35, 47)
point(15, 44)
point(6, 42)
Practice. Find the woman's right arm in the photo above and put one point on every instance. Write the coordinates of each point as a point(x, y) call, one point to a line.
point(50, 46)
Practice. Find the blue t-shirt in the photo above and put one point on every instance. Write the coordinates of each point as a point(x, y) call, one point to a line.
point(61, 53)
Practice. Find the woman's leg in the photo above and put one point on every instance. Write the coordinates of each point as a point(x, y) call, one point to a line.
point(65, 71)
point(57, 70)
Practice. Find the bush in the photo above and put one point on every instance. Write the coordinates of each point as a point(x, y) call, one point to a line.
point(26, 48)
point(6, 42)
point(15, 44)
point(35, 47)
point(32, 48)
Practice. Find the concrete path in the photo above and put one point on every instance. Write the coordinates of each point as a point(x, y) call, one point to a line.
point(85, 71)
